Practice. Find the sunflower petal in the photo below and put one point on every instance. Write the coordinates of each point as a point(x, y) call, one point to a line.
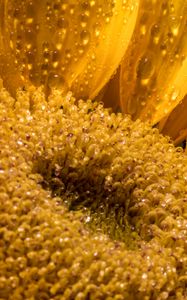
point(106, 52)
point(64, 44)
point(154, 69)
point(175, 124)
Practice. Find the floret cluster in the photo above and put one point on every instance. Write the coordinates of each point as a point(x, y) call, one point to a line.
point(92, 205)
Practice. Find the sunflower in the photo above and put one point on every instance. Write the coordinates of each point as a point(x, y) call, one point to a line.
point(92, 196)
point(141, 45)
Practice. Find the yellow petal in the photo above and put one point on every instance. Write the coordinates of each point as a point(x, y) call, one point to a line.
point(7, 65)
point(64, 44)
point(106, 54)
point(154, 69)
point(175, 125)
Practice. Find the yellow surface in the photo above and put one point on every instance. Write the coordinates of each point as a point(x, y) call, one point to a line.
point(154, 69)
point(68, 45)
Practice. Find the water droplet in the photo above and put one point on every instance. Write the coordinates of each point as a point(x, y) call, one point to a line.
point(107, 19)
point(59, 46)
point(83, 21)
point(62, 23)
point(174, 95)
point(68, 54)
point(163, 49)
point(56, 7)
point(145, 68)
point(155, 33)
point(92, 3)
point(55, 81)
point(143, 23)
point(85, 37)
point(143, 29)
point(165, 9)
point(64, 6)
point(30, 66)
point(174, 26)
point(80, 50)
point(29, 21)
point(72, 10)
point(56, 56)
point(97, 30)
point(29, 35)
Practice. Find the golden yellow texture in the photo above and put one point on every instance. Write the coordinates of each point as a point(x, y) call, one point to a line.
point(64, 44)
point(175, 124)
point(154, 69)
point(79, 45)
point(92, 205)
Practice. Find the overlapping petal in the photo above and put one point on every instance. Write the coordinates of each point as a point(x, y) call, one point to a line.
point(108, 52)
point(64, 44)
point(175, 124)
point(154, 69)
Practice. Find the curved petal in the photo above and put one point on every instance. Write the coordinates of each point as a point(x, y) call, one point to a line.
point(154, 69)
point(106, 54)
point(175, 124)
point(64, 44)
